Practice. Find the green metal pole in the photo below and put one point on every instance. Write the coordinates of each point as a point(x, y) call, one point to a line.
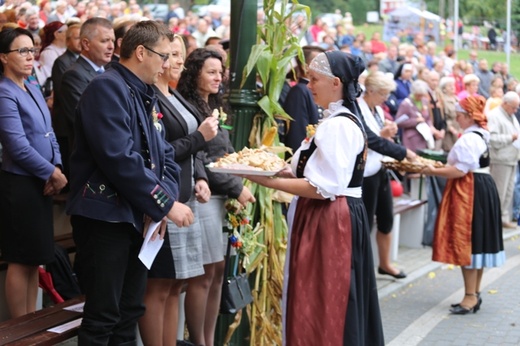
point(242, 101)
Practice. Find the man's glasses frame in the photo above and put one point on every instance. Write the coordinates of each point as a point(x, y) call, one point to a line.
point(164, 57)
point(24, 51)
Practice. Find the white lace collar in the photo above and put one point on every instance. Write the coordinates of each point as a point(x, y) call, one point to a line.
point(334, 107)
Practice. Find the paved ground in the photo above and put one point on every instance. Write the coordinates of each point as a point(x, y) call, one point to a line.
point(415, 310)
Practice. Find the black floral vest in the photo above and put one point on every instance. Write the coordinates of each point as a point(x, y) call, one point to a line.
point(361, 158)
point(484, 159)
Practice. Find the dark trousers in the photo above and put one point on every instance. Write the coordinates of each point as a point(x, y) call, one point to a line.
point(113, 279)
point(378, 200)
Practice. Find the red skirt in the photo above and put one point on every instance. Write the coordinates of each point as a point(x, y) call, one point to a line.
point(331, 293)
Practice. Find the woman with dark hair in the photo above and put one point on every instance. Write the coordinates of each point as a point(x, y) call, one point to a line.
point(30, 173)
point(330, 296)
point(468, 231)
point(181, 254)
point(200, 84)
point(53, 45)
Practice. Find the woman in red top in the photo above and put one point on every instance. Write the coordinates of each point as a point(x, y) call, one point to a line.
point(378, 46)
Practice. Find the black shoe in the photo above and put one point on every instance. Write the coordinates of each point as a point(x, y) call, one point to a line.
point(460, 310)
point(400, 275)
point(479, 302)
point(184, 343)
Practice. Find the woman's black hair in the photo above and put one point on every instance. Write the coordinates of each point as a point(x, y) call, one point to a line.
point(188, 83)
point(7, 36)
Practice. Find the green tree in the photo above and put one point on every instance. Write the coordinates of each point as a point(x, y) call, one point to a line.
point(515, 17)
point(471, 11)
point(358, 8)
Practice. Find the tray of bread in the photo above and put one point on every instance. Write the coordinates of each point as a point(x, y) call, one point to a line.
point(248, 161)
point(415, 166)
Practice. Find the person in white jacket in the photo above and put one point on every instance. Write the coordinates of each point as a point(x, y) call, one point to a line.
point(505, 151)
point(377, 193)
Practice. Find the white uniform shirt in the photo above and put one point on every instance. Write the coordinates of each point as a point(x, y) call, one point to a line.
point(465, 154)
point(338, 140)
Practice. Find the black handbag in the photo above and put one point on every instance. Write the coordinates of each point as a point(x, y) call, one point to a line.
point(236, 292)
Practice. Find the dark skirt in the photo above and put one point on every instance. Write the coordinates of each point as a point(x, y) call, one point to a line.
point(487, 245)
point(26, 220)
point(332, 293)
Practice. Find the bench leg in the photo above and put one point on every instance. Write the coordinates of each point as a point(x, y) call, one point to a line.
point(395, 237)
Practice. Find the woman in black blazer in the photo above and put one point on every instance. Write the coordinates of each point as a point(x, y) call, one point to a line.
point(180, 257)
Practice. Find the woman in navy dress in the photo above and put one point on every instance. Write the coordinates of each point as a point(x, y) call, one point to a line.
point(31, 173)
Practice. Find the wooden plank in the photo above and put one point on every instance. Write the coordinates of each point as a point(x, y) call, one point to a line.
point(401, 208)
point(66, 241)
point(38, 322)
point(46, 338)
point(60, 199)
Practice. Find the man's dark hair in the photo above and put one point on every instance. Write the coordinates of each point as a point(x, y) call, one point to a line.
point(147, 33)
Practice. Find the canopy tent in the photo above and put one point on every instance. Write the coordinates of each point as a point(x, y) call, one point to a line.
point(410, 20)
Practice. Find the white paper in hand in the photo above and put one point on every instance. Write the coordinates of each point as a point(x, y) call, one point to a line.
point(150, 247)
point(426, 132)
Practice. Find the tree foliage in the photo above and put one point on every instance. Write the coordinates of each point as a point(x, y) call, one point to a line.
point(472, 11)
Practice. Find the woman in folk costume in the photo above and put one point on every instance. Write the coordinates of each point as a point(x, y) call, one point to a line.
point(468, 231)
point(330, 296)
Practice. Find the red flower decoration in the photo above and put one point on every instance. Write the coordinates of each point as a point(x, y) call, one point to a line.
point(159, 116)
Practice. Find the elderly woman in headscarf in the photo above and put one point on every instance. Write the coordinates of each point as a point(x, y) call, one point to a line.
point(330, 296)
point(403, 82)
point(468, 231)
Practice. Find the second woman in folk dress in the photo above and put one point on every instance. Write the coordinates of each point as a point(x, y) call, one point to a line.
point(468, 231)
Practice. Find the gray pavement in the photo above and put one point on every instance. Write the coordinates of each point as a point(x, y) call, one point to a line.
point(415, 310)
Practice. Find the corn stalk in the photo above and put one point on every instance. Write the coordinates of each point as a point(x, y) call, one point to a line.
point(270, 58)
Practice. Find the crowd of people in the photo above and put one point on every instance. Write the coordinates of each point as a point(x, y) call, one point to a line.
point(117, 111)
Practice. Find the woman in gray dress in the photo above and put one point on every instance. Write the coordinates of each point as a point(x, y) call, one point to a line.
point(200, 84)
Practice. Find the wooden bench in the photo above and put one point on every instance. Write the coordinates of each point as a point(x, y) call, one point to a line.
point(32, 329)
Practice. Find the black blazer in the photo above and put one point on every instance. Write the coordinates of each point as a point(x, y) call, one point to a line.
point(380, 144)
point(59, 121)
point(186, 144)
point(73, 83)
point(300, 105)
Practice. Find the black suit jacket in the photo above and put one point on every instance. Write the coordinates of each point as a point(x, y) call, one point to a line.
point(186, 144)
point(380, 144)
point(121, 167)
point(59, 121)
point(73, 83)
point(300, 105)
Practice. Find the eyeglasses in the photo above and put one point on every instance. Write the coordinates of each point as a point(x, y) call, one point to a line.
point(24, 51)
point(164, 57)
